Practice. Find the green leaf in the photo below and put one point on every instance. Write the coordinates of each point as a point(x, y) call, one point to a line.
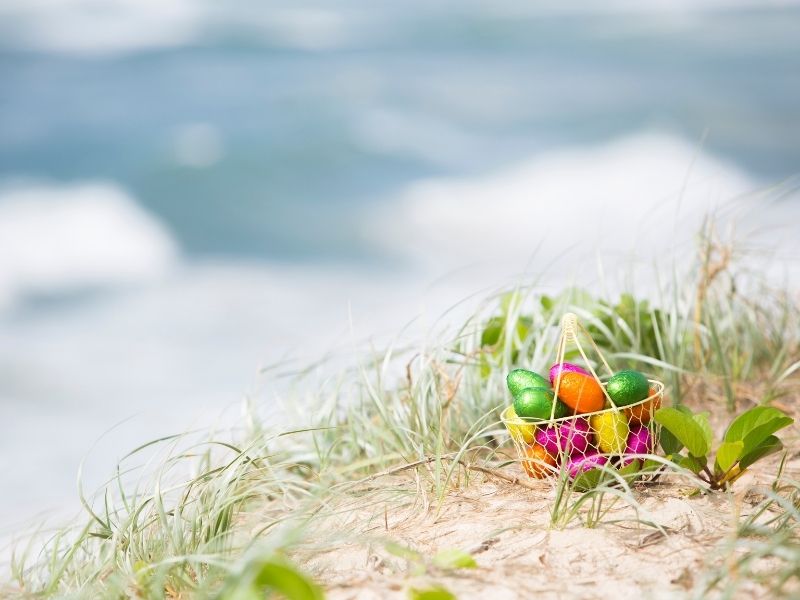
point(755, 425)
point(769, 446)
point(692, 463)
point(753, 439)
point(728, 453)
point(683, 426)
point(702, 420)
point(401, 551)
point(631, 471)
point(436, 593)
point(651, 465)
point(491, 333)
point(453, 558)
point(273, 574)
point(669, 443)
point(589, 480)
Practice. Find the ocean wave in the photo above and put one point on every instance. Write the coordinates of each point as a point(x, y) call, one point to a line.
point(123, 26)
point(58, 239)
point(643, 195)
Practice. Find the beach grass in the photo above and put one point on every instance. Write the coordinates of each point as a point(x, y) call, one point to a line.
point(230, 514)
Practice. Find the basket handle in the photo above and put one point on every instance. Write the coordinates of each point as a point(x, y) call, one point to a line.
point(570, 328)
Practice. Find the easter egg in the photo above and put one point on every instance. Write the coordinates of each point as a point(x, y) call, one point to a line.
point(575, 436)
point(627, 387)
point(571, 437)
point(639, 441)
point(580, 392)
point(611, 431)
point(642, 413)
point(565, 367)
point(519, 379)
point(580, 464)
point(548, 438)
point(539, 462)
point(536, 403)
point(520, 432)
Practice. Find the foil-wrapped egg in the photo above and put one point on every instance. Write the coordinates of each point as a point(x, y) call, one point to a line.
point(565, 367)
point(520, 379)
point(575, 436)
point(519, 431)
point(539, 463)
point(627, 387)
point(640, 441)
point(536, 404)
point(580, 392)
point(640, 414)
point(581, 463)
point(611, 431)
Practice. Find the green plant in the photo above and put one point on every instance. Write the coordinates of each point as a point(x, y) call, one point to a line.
point(748, 439)
point(268, 575)
point(445, 559)
point(433, 593)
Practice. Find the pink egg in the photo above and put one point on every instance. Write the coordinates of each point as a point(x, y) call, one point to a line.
point(580, 463)
point(575, 436)
point(548, 437)
point(570, 437)
point(639, 442)
point(565, 367)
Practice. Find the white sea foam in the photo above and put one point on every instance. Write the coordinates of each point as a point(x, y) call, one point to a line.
point(77, 26)
point(641, 195)
point(85, 27)
point(121, 26)
point(63, 238)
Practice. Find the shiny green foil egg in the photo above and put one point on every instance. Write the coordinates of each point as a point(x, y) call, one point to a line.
point(536, 403)
point(519, 379)
point(628, 387)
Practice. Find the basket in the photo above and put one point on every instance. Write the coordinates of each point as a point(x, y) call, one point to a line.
point(587, 446)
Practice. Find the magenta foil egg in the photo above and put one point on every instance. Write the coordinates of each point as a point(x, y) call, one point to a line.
point(575, 436)
point(559, 367)
point(548, 438)
point(639, 441)
point(579, 463)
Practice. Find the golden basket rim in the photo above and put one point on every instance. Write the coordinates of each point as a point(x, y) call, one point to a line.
point(520, 421)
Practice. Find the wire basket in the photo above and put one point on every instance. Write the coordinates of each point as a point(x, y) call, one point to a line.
point(588, 444)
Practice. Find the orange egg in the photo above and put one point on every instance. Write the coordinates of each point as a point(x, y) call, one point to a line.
point(642, 413)
point(580, 392)
point(540, 463)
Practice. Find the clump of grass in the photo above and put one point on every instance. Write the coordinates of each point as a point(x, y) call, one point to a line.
point(191, 523)
point(763, 548)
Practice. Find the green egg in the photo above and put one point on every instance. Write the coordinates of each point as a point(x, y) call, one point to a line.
point(519, 379)
point(628, 387)
point(535, 404)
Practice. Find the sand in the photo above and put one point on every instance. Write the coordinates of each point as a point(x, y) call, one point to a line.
point(507, 530)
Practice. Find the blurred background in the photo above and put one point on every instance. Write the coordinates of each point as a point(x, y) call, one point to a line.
point(193, 191)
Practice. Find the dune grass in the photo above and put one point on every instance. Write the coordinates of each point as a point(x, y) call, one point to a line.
point(195, 517)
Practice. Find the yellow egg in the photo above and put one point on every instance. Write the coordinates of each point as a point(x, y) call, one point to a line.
point(612, 431)
point(520, 431)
